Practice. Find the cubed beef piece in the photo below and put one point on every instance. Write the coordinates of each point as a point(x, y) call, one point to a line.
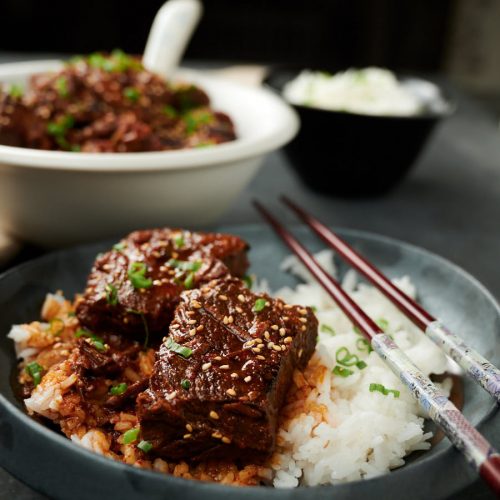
point(136, 286)
point(221, 376)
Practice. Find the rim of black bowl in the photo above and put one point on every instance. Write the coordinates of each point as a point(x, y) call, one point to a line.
point(288, 72)
point(259, 491)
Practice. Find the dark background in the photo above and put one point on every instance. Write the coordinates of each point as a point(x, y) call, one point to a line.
point(403, 35)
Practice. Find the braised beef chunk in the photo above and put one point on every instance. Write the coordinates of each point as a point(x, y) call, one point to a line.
point(135, 286)
point(221, 376)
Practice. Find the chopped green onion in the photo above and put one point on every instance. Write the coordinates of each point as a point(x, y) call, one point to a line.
point(327, 329)
point(345, 358)
point(59, 128)
point(119, 389)
point(356, 330)
point(380, 388)
point(259, 305)
point(131, 435)
point(179, 241)
point(56, 326)
point(185, 384)
point(189, 281)
point(61, 85)
point(71, 314)
point(145, 446)
point(248, 280)
point(132, 94)
point(185, 265)
point(361, 365)
point(342, 372)
point(170, 111)
point(111, 295)
point(205, 144)
point(382, 323)
point(314, 309)
point(173, 346)
point(364, 345)
point(16, 91)
point(120, 246)
point(137, 275)
point(34, 370)
point(97, 342)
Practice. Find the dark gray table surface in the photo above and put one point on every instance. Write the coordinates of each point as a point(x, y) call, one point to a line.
point(450, 204)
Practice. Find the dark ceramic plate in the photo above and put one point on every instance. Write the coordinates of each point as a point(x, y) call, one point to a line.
point(53, 465)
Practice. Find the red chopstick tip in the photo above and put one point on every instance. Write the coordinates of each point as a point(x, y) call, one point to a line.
point(490, 472)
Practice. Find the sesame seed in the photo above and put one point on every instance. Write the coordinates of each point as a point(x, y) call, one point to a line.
point(192, 332)
point(225, 320)
point(189, 427)
point(266, 335)
point(276, 347)
point(270, 345)
point(303, 311)
point(248, 343)
point(224, 367)
point(300, 353)
point(196, 304)
point(164, 339)
point(230, 319)
point(226, 440)
point(303, 320)
point(216, 435)
point(241, 297)
point(206, 366)
point(303, 328)
point(234, 375)
point(239, 309)
point(282, 332)
point(192, 322)
point(287, 306)
point(190, 313)
point(214, 415)
point(217, 358)
point(247, 378)
point(186, 436)
point(256, 349)
point(222, 297)
point(175, 255)
point(288, 340)
point(171, 396)
point(156, 282)
point(285, 318)
point(259, 340)
point(231, 392)
point(260, 357)
point(200, 328)
point(275, 327)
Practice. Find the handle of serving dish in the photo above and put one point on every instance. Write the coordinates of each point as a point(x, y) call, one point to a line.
point(169, 35)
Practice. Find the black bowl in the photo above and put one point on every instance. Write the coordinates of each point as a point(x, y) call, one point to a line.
point(353, 155)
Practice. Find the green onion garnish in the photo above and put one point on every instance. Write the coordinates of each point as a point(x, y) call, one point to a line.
point(384, 390)
point(345, 358)
point(111, 294)
point(382, 323)
point(71, 314)
point(189, 281)
point(361, 364)
point(179, 241)
point(97, 342)
point(185, 384)
point(364, 345)
point(120, 246)
point(185, 265)
point(137, 275)
point(131, 435)
point(34, 370)
point(170, 111)
point(356, 330)
point(145, 446)
point(56, 326)
point(327, 329)
point(61, 85)
point(248, 280)
point(173, 346)
point(342, 372)
point(16, 91)
point(259, 305)
point(119, 389)
point(131, 93)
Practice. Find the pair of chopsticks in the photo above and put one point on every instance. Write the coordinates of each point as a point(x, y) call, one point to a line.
point(477, 450)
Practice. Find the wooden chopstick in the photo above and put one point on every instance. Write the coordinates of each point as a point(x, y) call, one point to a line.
point(479, 453)
point(476, 366)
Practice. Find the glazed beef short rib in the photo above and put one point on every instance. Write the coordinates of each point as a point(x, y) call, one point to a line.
point(137, 284)
point(221, 376)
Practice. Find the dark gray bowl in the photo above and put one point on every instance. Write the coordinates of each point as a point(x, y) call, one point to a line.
point(53, 465)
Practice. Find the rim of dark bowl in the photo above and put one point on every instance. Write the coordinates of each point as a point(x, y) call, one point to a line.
point(289, 72)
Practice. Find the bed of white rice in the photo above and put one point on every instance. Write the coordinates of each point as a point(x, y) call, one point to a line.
point(365, 433)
